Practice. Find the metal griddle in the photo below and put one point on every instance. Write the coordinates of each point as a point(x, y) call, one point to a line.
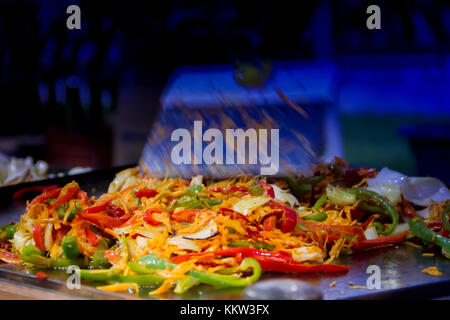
point(401, 267)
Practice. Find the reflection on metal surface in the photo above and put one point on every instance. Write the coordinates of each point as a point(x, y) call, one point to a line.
point(282, 289)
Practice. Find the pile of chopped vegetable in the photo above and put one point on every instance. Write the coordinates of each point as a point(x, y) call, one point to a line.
point(173, 234)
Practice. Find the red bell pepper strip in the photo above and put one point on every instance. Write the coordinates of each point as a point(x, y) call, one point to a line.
point(95, 209)
point(147, 193)
point(148, 217)
point(269, 261)
point(102, 220)
point(19, 193)
point(50, 194)
point(288, 218)
point(268, 190)
point(91, 237)
point(9, 257)
point(408, 209)
point(38, 237)
point(41, 275)
point(82, 195)
point(233, 214)
point(381, 241)
point(65, 195)
point(368, 221)
point(187, 215)
point(270, 223)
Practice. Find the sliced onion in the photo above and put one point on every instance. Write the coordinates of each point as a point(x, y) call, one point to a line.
point(209, 231)
point(246, 206)
point(150, 234)
point(312, 253)
point(371, 233)
point(284, 196)
point(401, 227)
point(423, 191)
point(389, 190)
point(182, 243)
point(387, 175)
point(48, 240)
point(197, 180)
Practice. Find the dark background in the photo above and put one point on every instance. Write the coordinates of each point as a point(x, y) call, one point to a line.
point(87, 97)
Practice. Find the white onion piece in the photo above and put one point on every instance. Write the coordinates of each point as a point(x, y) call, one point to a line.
point(197, 180)
point(150, 234)
point(312, 253)
point(182, 243)
point(371, 233)
point(389, 190)
point(48, 240)
point(424, 213)
point(401, 227)
point(423, 191)
point(387, 175)
point(245, 206)
point(284, 196)
point(207, 232)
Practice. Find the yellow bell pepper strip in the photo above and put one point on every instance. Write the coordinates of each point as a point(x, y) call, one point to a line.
point(383, 202)
point(215, 279)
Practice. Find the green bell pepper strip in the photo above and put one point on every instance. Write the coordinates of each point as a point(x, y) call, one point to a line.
point(370, 208)
point(317, 216)
point(418, 227)
point(445, 216)
point(99, 260)
point(256, 190)
point(70, 247)
point(140, 268)
point(383, 202)
point(57, 263)
point(185, 284)
point(215, 279)
point(150, 280)
point(311, 180)
point(73, 213)
point(320, 202)
point(378, 226)
point(256, 245)
point(208, 203)
point(298, 189)
point(194, 190)
point(31, 250)
point(301, 227)
point(10, 231)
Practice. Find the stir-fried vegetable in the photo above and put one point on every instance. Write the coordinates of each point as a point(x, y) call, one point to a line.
point(173, 234)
